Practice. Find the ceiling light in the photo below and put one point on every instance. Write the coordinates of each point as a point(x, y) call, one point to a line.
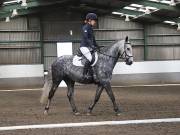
point(169, 2)
point(130, 8)
point(136, 5)
point(23, 4)
point(10, 2)
point(172, 3)
point(178, 28)
point(170, 22)
point(147, 11)
point(117, 13)
point(142, 9)
point(152, 8)
point(7, 19)
point(14, 13)
point(154, 0)
point(165, 2)
point(127, 18)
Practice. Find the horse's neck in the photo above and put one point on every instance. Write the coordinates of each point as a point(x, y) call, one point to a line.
point(114, 52)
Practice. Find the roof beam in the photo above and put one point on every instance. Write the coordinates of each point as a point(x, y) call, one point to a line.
point(130, 12)
point(157, 5)
point(158, 18)
point(33, 7)
point(31, 4)
point(140, 15)
point(20, 12)
point(151, 16)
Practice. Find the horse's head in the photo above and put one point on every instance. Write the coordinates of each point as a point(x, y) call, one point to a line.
point(126, 51)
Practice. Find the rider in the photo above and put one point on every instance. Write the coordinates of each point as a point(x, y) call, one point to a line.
point(88, 42)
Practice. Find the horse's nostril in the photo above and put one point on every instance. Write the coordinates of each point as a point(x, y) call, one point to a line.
point(129, 62)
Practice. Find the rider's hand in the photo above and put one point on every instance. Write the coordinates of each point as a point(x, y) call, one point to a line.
point(97, 48)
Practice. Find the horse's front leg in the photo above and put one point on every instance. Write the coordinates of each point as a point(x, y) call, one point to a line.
point(109, 91)
point(70, 95)
point(96, 99)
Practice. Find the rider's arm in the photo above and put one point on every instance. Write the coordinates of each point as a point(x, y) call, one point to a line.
point(94, 42)
point(86, 37)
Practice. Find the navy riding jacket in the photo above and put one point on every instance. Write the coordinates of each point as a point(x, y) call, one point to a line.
point(88, 39)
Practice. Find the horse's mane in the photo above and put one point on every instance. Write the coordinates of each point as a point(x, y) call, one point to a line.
point(107, 47)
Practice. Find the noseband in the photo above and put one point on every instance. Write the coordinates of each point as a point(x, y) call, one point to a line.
point(122, 56)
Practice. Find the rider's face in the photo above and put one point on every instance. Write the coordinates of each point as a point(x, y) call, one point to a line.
point(93, 22)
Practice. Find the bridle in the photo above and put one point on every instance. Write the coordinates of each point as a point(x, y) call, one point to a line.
point(124, 52)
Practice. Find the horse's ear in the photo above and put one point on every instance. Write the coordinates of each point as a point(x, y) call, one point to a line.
point(126, 40)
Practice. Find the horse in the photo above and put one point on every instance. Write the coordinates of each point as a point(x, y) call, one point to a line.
point(63, 69)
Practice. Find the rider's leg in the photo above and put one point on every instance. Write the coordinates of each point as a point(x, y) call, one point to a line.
point(86, 67)
point(85, 51)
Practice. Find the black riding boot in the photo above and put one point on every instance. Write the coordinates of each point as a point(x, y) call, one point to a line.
point(86, 68)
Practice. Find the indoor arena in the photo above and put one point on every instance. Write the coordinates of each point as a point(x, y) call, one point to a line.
point(128, 84)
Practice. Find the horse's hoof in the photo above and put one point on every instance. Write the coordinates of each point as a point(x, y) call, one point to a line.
point(118, 114)
point(77, 113)
point(88, 113)
point(45, 112)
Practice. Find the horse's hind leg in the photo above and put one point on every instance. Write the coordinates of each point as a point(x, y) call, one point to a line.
point(70, 95)
point(51, 94)
point(109, 91)
point(96, 99)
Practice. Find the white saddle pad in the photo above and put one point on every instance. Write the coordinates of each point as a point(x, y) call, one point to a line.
point(77, 60)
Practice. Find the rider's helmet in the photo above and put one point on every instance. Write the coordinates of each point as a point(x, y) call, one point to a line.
point(91, 16)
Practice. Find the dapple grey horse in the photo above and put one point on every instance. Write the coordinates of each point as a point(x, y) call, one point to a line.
point(63, 69)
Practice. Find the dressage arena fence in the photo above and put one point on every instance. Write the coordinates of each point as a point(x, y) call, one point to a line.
point(139, 73)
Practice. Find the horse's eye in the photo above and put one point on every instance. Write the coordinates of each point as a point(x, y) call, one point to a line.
point(128, 49)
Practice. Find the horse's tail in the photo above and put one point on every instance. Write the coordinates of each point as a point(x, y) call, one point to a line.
point(47, 87)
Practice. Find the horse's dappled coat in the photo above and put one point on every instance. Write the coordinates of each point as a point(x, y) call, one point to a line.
point(63, 69)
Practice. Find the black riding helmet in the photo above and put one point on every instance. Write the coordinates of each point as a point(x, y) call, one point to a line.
point(91, 16)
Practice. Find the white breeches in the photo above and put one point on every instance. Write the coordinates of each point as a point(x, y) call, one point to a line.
point(85, 51)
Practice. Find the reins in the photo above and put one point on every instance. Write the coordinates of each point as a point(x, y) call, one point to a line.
point(121, 56)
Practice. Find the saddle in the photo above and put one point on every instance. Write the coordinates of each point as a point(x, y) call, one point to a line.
point(79, 59)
